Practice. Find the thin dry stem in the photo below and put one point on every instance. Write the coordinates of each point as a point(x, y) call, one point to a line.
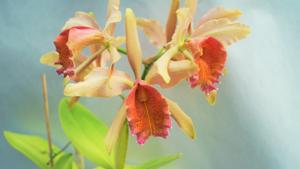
point(47, 118)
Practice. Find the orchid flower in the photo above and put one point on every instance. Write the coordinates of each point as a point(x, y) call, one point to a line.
point(147, 111)
point(168, 71)
point(216, 30)
point(92, 77)
point(204, 46)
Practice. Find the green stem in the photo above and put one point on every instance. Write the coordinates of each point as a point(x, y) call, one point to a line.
point(148, 66)
point(122, 50)
point(122, 97)
point(146, 70)
point(59, 152)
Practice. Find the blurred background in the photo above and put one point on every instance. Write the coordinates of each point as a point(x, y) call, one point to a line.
point(254, 125)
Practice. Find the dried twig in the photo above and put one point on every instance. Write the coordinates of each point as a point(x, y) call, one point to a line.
point(47, 118)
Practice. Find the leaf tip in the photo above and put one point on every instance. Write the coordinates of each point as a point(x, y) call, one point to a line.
point(7, 134)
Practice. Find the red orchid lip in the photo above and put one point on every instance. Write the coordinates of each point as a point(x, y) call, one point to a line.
point(65, 53)
point(210, 61)
point(147, 112)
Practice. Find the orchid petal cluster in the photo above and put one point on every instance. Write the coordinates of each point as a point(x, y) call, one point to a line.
point(196, 54)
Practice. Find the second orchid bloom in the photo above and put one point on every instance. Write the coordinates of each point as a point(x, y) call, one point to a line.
point(197, 54)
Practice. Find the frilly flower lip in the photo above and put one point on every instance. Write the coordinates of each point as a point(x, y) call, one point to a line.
point(147, 112)
point(210, 56)
point(70, 43)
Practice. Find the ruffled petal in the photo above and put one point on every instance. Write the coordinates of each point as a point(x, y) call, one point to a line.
point(113, 16)
point(161, 65)
point(210, 60)
point(147, 113)
point(224, 30)
point(115, 129)
point(101, 82)
point(114, 44)
point(111, 55)
point(81, 37)
point(50, 59)
point(172, 20)
point(220, 13)
point(184, 18)
point(65, 55)
point(81, 19)
point(178, 71)
point(153, 30)
point(192, 5)
point(182, 119)
point(133, 43)
point(70, 43)
point(115, 55)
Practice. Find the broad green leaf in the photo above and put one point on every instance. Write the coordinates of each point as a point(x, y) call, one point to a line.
point(65, 162)
point(159, 162)
point(126, 167)
point(33, 147)
point(121, 148)
point(74, 166)
point(85, 131)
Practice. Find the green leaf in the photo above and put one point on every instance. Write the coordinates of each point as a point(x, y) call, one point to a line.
point(120, 149)
point(159, 162)
point(65, 162)
point(33, 147)
point(74, 166)
point(85, 131)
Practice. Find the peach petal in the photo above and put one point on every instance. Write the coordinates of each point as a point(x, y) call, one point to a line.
point(133, 44)
point(178, 71)
point(100, 83)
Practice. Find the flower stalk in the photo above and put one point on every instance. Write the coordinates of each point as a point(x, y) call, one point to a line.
point(148, 65)
point(122, 50)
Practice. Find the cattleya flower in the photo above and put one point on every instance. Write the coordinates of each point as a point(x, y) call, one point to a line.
point(204, 46)
point(167, 71)
point(147, 111)
point(91, 75)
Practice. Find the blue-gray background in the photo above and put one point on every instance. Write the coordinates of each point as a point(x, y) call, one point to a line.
point(255, 124)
